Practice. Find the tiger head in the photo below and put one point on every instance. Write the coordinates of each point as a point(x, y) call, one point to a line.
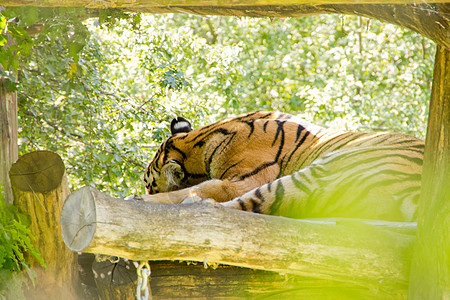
point(166, 172)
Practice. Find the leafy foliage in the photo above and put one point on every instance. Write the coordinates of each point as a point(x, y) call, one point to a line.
point(342, 72)
point(10, 53)
point(15, 246)
point(102, 92)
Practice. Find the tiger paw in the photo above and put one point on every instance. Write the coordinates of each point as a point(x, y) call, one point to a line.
point(196, 199)
point(209, 201)
point(192, 199)
point(137, 197)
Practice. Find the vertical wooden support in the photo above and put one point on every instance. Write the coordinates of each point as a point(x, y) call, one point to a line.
point(40, 188)
point(8, 137)
point(9, 151)
point(430, 272)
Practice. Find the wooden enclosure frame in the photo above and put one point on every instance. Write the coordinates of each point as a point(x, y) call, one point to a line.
point(430, 269)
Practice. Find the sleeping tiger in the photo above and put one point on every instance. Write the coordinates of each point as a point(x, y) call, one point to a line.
point(275, 163)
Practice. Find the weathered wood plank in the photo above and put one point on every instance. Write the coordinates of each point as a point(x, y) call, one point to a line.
point(193, 3)
point(366, 254)
point(191, 280)
point(171, 280)
point(9, 151)
point(429, 19)
point(430, 276)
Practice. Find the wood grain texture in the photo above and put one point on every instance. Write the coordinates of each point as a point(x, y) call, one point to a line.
point(192, 3)
point(365, 253)
point(39, 171)
point(174, 280)
point(192, 280)
point(430, 276)
point(43, 202)
point(9, 151)
point(429, 19)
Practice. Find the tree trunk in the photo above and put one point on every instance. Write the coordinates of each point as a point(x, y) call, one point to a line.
point(8, 137)
point(40, 187)
point(366, 254)
point(430, 276)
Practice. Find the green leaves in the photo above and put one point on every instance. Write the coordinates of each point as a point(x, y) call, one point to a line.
point(14, 45)
point(173, 79)
point(3, 36)
point(15, 239)
point(102, 93)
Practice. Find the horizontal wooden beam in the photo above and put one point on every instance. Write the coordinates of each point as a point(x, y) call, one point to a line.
point(160, 4)
point(369, 253)
point(429, 19)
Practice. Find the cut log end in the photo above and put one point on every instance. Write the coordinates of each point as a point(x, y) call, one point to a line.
point(39, 171)
point(78, 219)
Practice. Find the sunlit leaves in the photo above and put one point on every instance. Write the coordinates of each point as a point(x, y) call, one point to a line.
point(14, 45)
point(15, 240)
point(102, 94)
point(3, 36)
point(340, 72)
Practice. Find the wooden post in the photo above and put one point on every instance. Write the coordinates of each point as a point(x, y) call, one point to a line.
point(430, 273)
point(372, 255)
point(8, 137)
point(40, 187)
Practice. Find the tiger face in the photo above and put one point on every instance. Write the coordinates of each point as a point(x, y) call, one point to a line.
point(168, 178)
point(165, 172)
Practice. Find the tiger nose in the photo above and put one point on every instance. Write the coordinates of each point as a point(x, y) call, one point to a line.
point(154, 190)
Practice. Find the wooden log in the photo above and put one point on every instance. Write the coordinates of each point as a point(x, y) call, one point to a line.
point(9, 151)
point(429, 19)
point(430, 276)
point(172, 280)
point(40, 187)
point(370, 254)
point(141, 4)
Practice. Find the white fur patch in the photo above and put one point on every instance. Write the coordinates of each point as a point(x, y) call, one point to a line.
point(183, 125)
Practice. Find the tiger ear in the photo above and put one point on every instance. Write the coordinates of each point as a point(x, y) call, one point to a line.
point(180, 124)
point(173, 172)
